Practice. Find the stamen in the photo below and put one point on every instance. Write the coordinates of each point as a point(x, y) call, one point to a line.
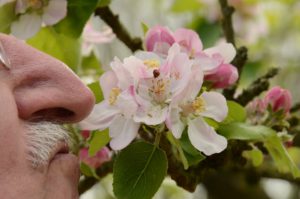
point(114, 93)
point(151, 63)
point(198, 105)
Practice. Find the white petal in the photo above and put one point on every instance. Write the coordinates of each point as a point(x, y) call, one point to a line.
point(215, 106)
point(108, 81)
point(207, 64)
point(122, 131)
point(204, 138)
point(55, 11)
point(226, 50)
point(26, 26)
point(152, 115)
point(174, 123)
point(126, 103)
point(100, 118)
point(124, 77)
point(21, 6)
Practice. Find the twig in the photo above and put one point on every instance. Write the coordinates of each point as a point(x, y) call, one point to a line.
point(227, 12)
point(257, 87)
point(113, 21)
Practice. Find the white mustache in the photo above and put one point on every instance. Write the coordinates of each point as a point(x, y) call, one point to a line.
point(41, 140)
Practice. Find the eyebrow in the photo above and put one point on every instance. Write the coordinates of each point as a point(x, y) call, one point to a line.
point(3, 57)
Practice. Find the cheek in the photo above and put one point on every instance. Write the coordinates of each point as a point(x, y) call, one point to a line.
point(11, 144)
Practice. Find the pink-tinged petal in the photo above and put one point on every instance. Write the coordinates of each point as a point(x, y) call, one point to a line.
point(108, 81)
point(204, 138)
point(159, 39)
point(225, 76)
point(91, 35)
point(215, 106)
point(126, 103)
point(136, 67)
point(85, 134)
point(100, 118)
point(55, 11)
point(189, 41)
point(207, 64)
point(124, 77)
point(152, 115)
point(21, 6)
point(27, 26)
point(174, 123)
point(167, 66)
point(226, 50)
point(122, 131)
point(95, 161)
point(192, 89)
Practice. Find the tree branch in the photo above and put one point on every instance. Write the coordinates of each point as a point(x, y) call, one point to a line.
point(257, 87)
point(113, 21)
point(227, 12)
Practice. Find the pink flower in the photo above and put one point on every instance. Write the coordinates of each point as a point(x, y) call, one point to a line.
point(85, 134)
point(159, 39)
point(279, 99)
point(225, 76)
point(97, 160)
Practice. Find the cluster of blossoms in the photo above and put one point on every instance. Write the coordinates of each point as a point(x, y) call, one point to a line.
point(163, 85)
point(277, 101)
point(32, 14)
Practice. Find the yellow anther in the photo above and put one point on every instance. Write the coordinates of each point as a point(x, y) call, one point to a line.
point(151, 63)
point(35, 3)
point(198, 105)
point(113, 95)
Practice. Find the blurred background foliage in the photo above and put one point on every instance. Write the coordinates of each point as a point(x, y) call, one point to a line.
point(270, 29)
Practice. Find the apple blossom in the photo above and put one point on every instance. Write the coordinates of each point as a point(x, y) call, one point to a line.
point(117, 110)
point(279, 99)
point(33, 13)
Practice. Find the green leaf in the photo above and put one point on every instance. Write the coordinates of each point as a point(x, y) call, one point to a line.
point(91, 64)
point(96, 89)
point(242, 131)
point(145, 28)
point(236, 113)
point(88, 171)
point(7, 16)
point(186, 5)
point(79, 11)
point(269, 137)
point(98, 140)
point(59, 46)
point(192, 155)
point(103, 3)
point(139, 170)
point(255, 155)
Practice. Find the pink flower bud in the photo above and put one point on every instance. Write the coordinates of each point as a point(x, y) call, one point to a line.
point(85, 134)
point(159, 39)
point(97, 160)
point(279, 99)
point(225, 75)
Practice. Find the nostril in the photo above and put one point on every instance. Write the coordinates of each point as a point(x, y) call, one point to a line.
point(53, 114)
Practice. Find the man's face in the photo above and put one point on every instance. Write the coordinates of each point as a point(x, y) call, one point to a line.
point(35, 93)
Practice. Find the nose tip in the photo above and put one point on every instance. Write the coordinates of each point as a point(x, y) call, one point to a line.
point(45, 88)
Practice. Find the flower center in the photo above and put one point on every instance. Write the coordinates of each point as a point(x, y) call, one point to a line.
point(198, 105)
point(113, 95)
point(158, 89)
point(151, 63)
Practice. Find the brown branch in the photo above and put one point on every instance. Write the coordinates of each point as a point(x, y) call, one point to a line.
point(257, 87)
point(227, 12)
point(113, 21)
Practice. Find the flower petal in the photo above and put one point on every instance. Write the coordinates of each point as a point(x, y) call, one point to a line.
point(100, 118)
point(125, 79)
point(122, 132)
point(215, 106)
point(174, 123)
point(55, 11)
point(226, 50)
point(26, 26)
point(151, 115)
point(108, 81)
point(204, 138)
point(189, 40)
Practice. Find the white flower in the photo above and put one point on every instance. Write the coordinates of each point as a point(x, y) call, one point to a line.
point(34, 13)
point(190, 111)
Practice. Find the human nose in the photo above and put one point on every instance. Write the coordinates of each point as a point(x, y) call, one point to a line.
point(47, 89)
